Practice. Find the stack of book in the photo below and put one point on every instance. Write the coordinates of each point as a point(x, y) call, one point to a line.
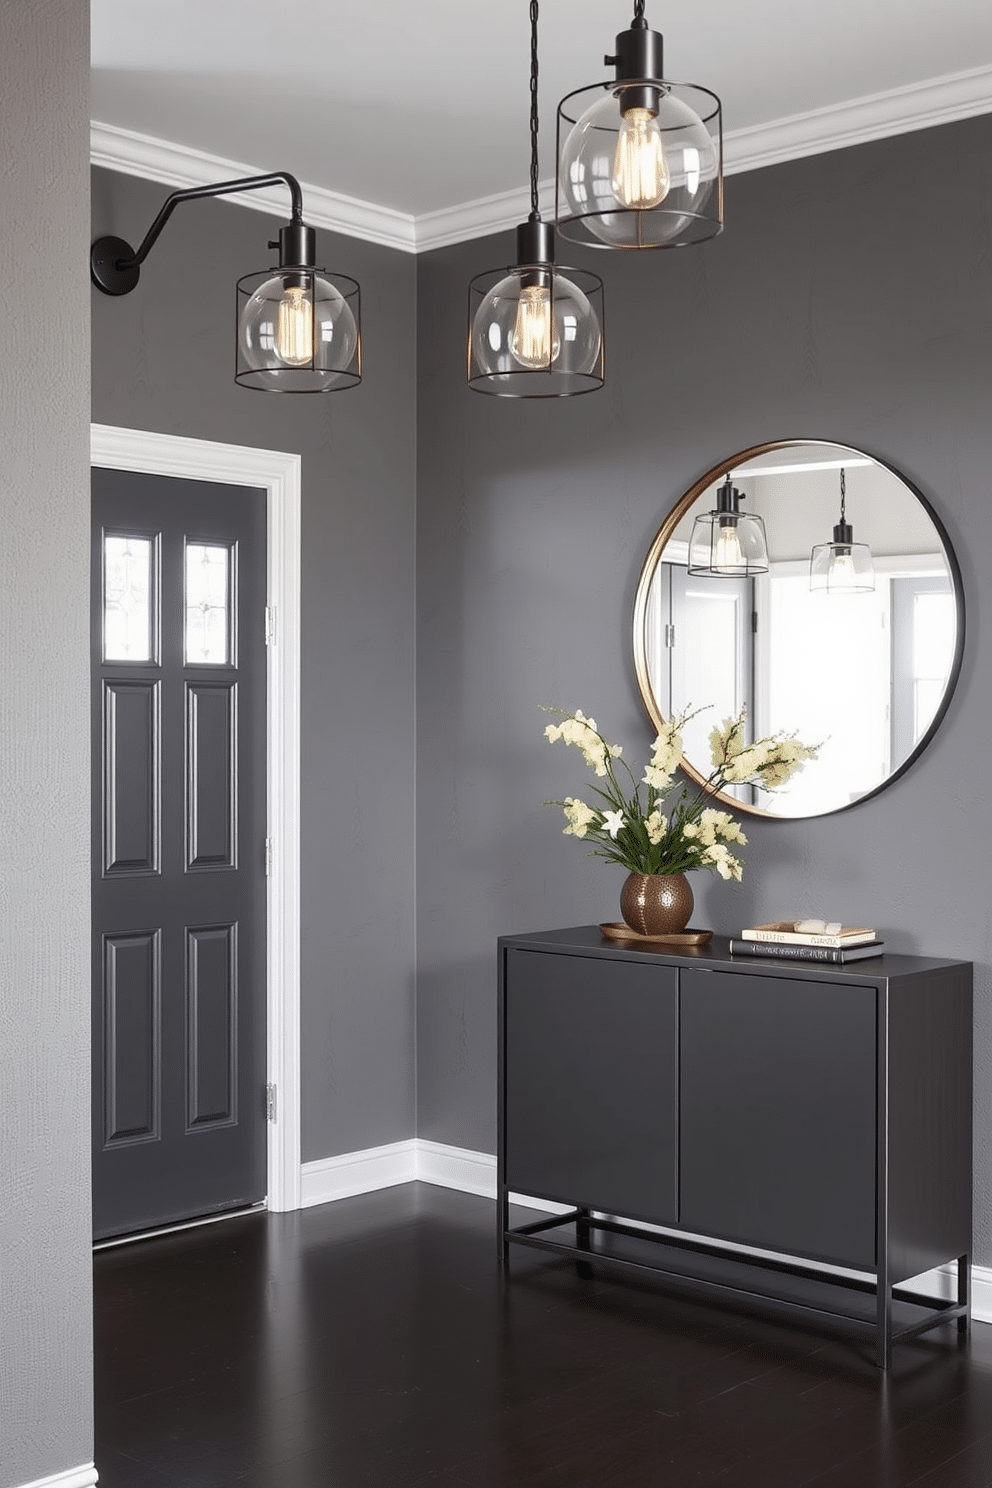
point(782, 939)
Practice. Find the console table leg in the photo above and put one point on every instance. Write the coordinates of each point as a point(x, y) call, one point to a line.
point(964, 1292)
point(583, 1268)
point(502, 1225)
point(883, 1315)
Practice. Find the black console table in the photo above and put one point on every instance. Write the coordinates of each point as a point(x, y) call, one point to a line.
point(798, 1134)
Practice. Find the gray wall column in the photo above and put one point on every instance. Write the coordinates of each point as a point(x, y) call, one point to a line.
point(45, 1294)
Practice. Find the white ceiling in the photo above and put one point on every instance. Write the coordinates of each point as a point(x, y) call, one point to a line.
point(420, 109)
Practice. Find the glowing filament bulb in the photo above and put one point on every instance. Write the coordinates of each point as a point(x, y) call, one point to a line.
point(841, 573)
point(640, 177)
point(535, 342)
point(294, 327)
point(728, 557)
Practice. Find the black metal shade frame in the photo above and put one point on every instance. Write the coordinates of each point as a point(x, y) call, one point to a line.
point(115, 268)
point(536, 267)
point(639, 82)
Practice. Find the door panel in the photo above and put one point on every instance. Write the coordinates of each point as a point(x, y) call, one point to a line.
point(778, 1114)
point(178, 849)
point(592, 1083)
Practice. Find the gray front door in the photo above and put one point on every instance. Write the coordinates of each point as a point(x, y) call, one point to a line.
point(178, 735)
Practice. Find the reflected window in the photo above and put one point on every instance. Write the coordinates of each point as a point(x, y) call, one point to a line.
point(934, 631)
point(208, 604)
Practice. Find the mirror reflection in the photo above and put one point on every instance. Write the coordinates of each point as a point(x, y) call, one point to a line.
point(847, 632)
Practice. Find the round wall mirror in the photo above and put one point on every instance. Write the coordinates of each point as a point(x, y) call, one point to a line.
point(842, 622)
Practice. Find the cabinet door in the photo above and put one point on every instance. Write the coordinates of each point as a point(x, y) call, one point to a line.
point(591, 1079)
point(778, 1114)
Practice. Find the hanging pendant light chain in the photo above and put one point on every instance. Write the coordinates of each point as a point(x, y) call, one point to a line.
point(639, 10)
point(534, 211)
point(843, 494)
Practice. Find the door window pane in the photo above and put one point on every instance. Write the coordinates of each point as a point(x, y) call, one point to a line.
point(208, 604)
point(127, 598)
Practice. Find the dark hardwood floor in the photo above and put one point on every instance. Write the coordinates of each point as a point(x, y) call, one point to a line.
point(373, 1341)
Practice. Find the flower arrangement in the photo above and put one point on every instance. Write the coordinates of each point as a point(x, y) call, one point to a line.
point(670, 829)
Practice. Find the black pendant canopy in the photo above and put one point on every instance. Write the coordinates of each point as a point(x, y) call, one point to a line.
point(298, 326)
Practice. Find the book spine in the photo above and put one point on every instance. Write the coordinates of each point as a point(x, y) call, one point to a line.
point(788, 937)
point(786, 952)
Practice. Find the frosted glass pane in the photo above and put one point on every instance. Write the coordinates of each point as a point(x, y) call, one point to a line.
point(208, 589)
point(127, 598)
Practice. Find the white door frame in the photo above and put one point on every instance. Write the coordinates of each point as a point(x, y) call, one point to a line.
point(279, 474)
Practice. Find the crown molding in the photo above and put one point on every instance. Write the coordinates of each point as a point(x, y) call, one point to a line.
point(480, 218)
point(942, 100)
point(178, 166)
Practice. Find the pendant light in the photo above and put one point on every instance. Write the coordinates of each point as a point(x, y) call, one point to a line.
point(532, 332)
point(842, 566)
point(298, 326)
point(640, 159)
point(726, 542)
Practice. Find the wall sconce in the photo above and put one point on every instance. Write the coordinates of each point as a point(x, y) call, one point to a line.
point(532, 331)
point(842, 566)
point(726, 542)
point(640, 160)
point(298, 326)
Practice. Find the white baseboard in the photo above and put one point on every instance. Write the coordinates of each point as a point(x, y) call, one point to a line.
point(457, 1167)
point(74, 1477)
point(357, 1172)
point(475, 1173)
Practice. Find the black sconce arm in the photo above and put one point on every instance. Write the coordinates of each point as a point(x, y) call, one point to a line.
point(115, 265)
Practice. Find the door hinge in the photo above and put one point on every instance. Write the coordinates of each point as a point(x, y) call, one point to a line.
point(270, 1103)
point(268, 857)
point(669, 637)
point(270, 625)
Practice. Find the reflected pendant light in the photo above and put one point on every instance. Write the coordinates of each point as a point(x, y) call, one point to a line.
point(640, 159)
point(298, 326)
point(726, 542)
point(842, 566)
point(532, 331)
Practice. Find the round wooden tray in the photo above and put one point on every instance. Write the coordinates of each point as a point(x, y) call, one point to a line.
point(683, 940)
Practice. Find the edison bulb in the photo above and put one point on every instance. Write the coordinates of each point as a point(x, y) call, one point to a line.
point(294, 327)
point(640, 177)
point(841, 573)
point(534, 340)
point(728, 557)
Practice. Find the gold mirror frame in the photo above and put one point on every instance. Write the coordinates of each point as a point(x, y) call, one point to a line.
point(664, 534)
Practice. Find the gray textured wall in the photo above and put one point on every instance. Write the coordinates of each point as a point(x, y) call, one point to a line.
point(45, 1306)
point(163, 359)
point(850, 299)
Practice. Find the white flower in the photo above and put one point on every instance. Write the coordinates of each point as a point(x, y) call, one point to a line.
point(612, 822)
point(656, 826)
point(723, 861)
point(578, 815)
point(658, 779)
point(666, 751)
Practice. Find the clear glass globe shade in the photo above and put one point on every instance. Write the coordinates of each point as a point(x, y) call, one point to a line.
point(290, 331)
point(588, 171)
point(515, 330)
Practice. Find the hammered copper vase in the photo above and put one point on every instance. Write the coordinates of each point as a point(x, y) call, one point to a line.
point(656, 903)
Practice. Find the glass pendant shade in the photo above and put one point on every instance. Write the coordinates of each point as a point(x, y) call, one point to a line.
point(841, 567)
point(728, 543)
point(298, 331)
point(640, 159)
point(535, 331)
